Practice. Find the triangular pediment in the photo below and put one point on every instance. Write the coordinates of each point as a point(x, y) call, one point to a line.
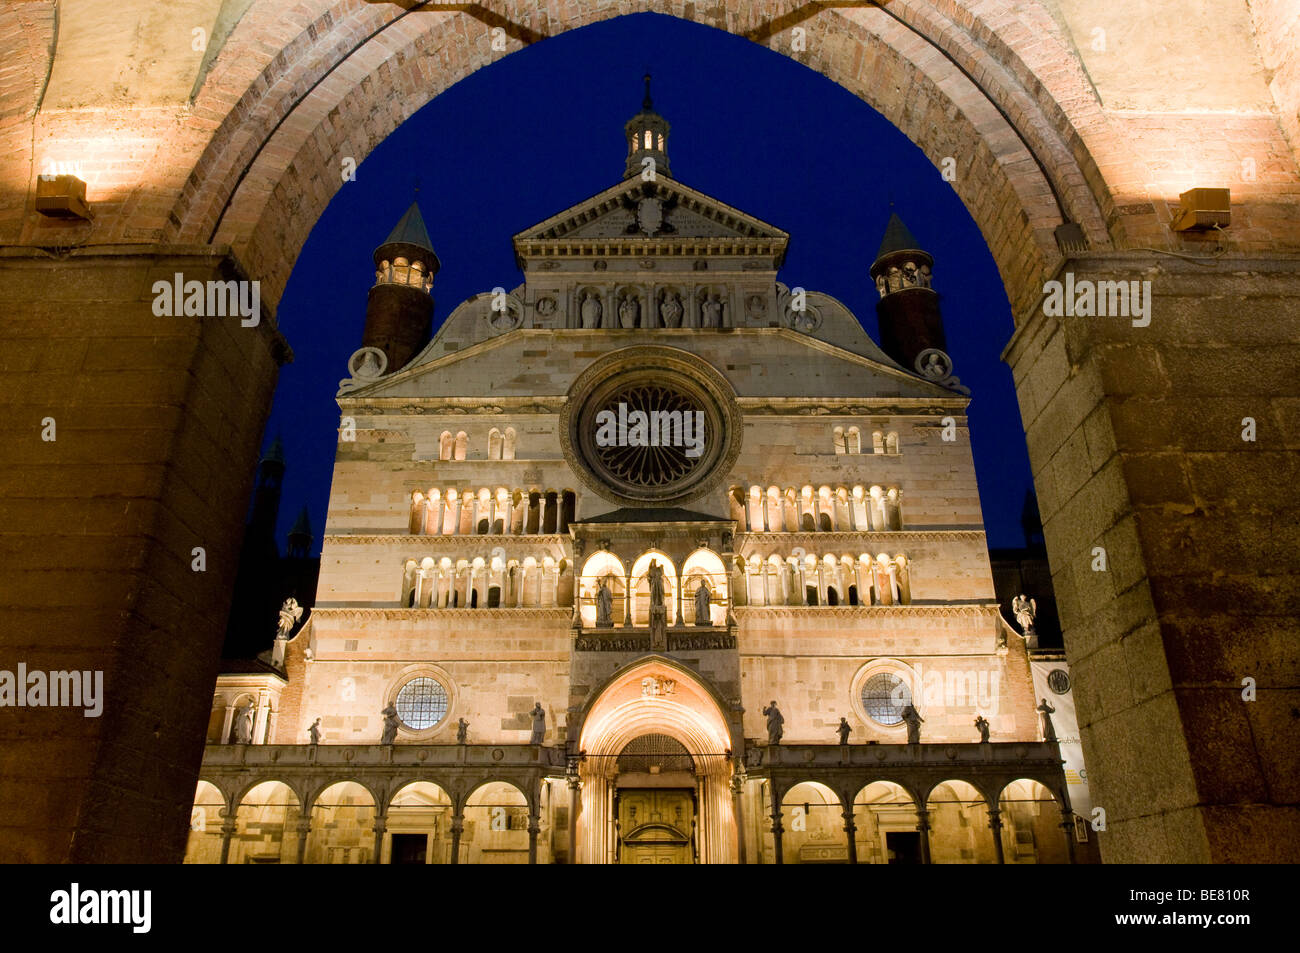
point(785, 368)
point(639, 211)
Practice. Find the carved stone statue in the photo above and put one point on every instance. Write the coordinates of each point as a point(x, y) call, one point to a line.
point(670, 310)
point(462, 731)
point(711, 312)
point(241, 730)
point(655, 576)
point(702, 597)
point(314, 732)
point(604, 606)
point(982, 724)
point(1025, 611)
point(391, 722)
point(775, 723)
point(1049, 730)
point(539, 724)
point(590, 311)
point(844, 729)
point(914, 720)
point(290, 613)
point(629, 310)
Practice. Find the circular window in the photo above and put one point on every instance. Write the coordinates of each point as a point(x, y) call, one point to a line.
point(884, 696)
point(421, 703)
point(650, 424)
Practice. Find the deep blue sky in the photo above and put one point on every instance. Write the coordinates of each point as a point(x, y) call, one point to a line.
point(542, 129)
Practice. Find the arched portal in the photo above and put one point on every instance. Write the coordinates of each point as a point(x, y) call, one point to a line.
point(656, 743)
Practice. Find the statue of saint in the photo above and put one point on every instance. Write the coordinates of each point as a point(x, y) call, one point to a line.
point(290, 613)
point(702, 597)
point(1049, 730)
point(462, 731)
point(590, 311)
point(711, 312)
point(314, 732)
point(539, 724)
point(604, 606)
point(844, 730)
point(391, 722)
point(655, 576)
point(982, 724)
point(775, 723)
point(629, 309)
point(670, 310)
point(1025, 611)
point(914, 720)
point(241, 732)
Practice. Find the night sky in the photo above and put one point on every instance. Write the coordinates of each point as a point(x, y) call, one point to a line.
point(542, 129)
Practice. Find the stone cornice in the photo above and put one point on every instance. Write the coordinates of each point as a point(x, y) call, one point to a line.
point(454, 407)
point(532, 613)
point(821, 540)
point(852, 407)
point(782, 612)
point(426, 541)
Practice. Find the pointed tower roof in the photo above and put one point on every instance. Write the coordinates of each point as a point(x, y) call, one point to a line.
point(410, 239)
point(275, 452)
point(897, 238)
point(410, 230)
point(302, 525)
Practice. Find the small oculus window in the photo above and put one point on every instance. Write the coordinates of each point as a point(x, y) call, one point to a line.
point(884, 696)
point(421, 703)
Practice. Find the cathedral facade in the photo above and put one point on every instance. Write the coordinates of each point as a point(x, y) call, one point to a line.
point(651, 559)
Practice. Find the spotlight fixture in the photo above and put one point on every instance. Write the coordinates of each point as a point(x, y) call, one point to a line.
point(1201, 210)
point(62, 196)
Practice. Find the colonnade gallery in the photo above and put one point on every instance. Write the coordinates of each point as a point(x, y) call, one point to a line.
point(653, 559)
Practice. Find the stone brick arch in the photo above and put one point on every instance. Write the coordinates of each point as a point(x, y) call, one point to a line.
point(283, 189)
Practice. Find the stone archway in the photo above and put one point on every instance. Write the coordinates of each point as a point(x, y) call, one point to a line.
point(655, 696)
point(219, 164)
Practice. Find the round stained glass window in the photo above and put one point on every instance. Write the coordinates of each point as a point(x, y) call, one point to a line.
point(884, 696)
point(422, 703)
point(650, 425)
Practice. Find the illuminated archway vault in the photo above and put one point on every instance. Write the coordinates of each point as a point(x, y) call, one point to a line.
point(656, 695)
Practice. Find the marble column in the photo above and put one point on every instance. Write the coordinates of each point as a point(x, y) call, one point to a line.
point(995, 825)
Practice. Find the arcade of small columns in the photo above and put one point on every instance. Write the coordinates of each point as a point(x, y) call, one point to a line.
point(854, 509)
point(499, 581)
point(262, 690)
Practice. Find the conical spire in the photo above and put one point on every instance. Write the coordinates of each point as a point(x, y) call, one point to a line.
point(897, 238)
point(647, 141)
point(302, 525)
point(410, 230)
point(275, 452)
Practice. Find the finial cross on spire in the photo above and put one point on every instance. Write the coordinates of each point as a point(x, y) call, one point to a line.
point(647, 103)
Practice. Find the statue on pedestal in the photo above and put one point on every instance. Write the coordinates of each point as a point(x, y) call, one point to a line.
point(711, 312)
point(1026, 611)
point(914, 720)
point(590, 311)
point(462, 731)
point(314, 732)
point(629, 309)
point(391, 721)
point(1049, 730)
point(290, 613)
point(844, 729)
point(604, 606)
point(658, 612)
point(670, 310)
point(775, 723)
point(241, 731)
point(539, 724)
point(982, 724)
point(702, 598)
